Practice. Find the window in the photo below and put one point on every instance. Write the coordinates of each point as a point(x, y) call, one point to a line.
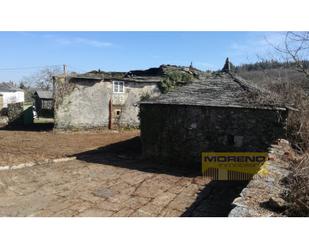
point(230, 140)
point(236, 141)
point(118, 87)
point(239, 140)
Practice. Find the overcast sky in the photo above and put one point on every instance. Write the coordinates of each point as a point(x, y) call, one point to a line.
point(24, 53)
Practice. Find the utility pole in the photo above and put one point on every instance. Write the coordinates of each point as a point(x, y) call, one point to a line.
point(64, 69)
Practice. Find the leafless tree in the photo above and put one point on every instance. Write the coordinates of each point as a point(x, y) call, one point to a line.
point(42, 79)
point(295, 48)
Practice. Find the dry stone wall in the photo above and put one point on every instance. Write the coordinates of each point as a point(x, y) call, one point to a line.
point(263, 194)
point(178, 134)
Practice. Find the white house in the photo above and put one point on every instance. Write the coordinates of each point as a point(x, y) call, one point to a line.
point(10, 94)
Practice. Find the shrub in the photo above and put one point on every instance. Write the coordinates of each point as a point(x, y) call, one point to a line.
point(175, 78)
point(297, 195)
point(298, 121)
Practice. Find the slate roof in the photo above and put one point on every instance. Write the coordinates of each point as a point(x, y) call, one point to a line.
point(44, 94)
point(151, 75)
point(136, 79)
point(7, 87)
point(222, 89)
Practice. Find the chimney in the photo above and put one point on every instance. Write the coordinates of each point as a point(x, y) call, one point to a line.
point(227, 66)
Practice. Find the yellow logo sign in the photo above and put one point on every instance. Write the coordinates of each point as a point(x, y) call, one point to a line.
point(242, 162)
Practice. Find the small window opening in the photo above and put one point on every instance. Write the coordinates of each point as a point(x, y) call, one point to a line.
point(118, 113)
point(230, 140)
point(118, 87)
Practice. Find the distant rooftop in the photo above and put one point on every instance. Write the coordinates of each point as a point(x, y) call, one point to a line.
point(9, 87)
point(44, 94)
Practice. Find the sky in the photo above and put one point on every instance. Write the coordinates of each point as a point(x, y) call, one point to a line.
point(24, 53)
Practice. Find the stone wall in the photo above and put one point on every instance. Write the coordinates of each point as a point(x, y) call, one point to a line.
point(130, 108)
point(178, 134)
point(15, 113)
point(263, 194)
point(84, 104)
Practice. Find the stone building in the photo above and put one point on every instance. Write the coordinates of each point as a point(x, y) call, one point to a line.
point(101, 99)
point(220, 112)
point(95, 100)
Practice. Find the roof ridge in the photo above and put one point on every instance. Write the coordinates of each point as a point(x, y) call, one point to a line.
point(247, 86)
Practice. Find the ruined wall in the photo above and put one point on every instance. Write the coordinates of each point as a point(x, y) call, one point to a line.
point(178, 134)
point(133, 94)
point(84, 104)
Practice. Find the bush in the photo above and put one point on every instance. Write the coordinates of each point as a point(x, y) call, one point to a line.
point(297, 195)
point(298, 188)
point(174, 78)
point(298, 121)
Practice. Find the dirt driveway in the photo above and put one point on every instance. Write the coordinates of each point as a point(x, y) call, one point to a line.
point(27, 146)
point(108, 178)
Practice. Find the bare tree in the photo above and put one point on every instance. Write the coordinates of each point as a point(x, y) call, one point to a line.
point(295, 48)
point(42, 79)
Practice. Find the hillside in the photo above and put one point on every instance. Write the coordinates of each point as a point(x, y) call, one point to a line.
point(268, 74)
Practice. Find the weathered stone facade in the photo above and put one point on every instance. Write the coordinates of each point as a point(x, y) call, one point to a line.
point(178, 134)
point(91, 103)
point(218, 112)
point(91, 100)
